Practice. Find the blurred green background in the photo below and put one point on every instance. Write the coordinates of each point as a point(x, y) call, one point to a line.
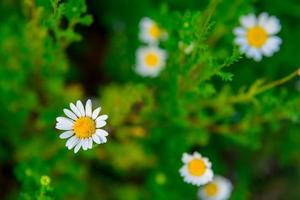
point(55, 52)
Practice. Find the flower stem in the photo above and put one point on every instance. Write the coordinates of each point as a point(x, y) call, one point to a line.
point(278, 82)
point(254, 90)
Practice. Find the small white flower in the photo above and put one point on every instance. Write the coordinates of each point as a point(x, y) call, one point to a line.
point(256, 36)
point(196, 169)
point(187, 49)
point(82, 126)
point(150, 61)
point(219, 189)
point(150, 32)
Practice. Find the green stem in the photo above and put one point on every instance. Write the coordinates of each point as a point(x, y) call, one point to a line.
point(207, 17)
point(252, 93)
point(278, 82)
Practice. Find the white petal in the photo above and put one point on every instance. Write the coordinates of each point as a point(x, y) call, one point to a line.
point(102, 117)
point(90, 143)
point(75, 110)
point(145, 22)
point(250, 53)
point(96, 138)
point(70, 141)
point(96, 113)
point(66, 134)
point(240, 40)
point(100, 123)
point(248, 21)
point(85, 144)
point(70, 114)
point(244, 48)
point(103, 139)
point(274, 41)
point(101, 132)
point(88, 108)
point(239, 31)
point(257, 55)
point(262, 19)
point(63, 127)
point(73, 143)
point(272, 25)
point(197, 155)
point(76, 149)
point(64, 120)
point(186, 158)
point(80, 107)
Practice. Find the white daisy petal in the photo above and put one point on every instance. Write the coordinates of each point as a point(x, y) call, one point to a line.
point(96, 113)
point(100, 123)
point(239, 31)
point(267, 51)
point(88, 108)
point(101, 132)
point(75, 110)
point(186, 158)
point(63, 127)
point(80, 107)
point(263, 19)
point(272, 25)
point(244, 48)
point(70, 114)
point(274, 41)
point(90, 143)
point(66, 134)
point(78, 146)
point(96, 138)
point(250, 53)
point(248, 21)
point(64, 120)
point(102, 117)
point(240, 41)
point(73, 143)
point(103, 139)
point(198, 155)
point(257, 55)
point(85, 144)
point(70, 141)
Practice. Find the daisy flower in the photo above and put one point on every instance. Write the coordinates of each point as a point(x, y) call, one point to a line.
point(256, 36)
point(82, 126)
point(150, 61)
point(196, 169)
point(218, 189)
point(150, 32)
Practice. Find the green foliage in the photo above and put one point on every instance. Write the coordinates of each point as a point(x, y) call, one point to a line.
point(241, 114)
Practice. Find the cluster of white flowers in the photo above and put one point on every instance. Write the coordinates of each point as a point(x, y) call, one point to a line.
point(197, 170)
point(150, 59)
point(82, 126)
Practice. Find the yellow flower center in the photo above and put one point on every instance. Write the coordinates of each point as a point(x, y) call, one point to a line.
point(196, 167)
point(211, 189)
point(151, 59)
point(154, 31)
point(84, 127)
point(257, 36)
